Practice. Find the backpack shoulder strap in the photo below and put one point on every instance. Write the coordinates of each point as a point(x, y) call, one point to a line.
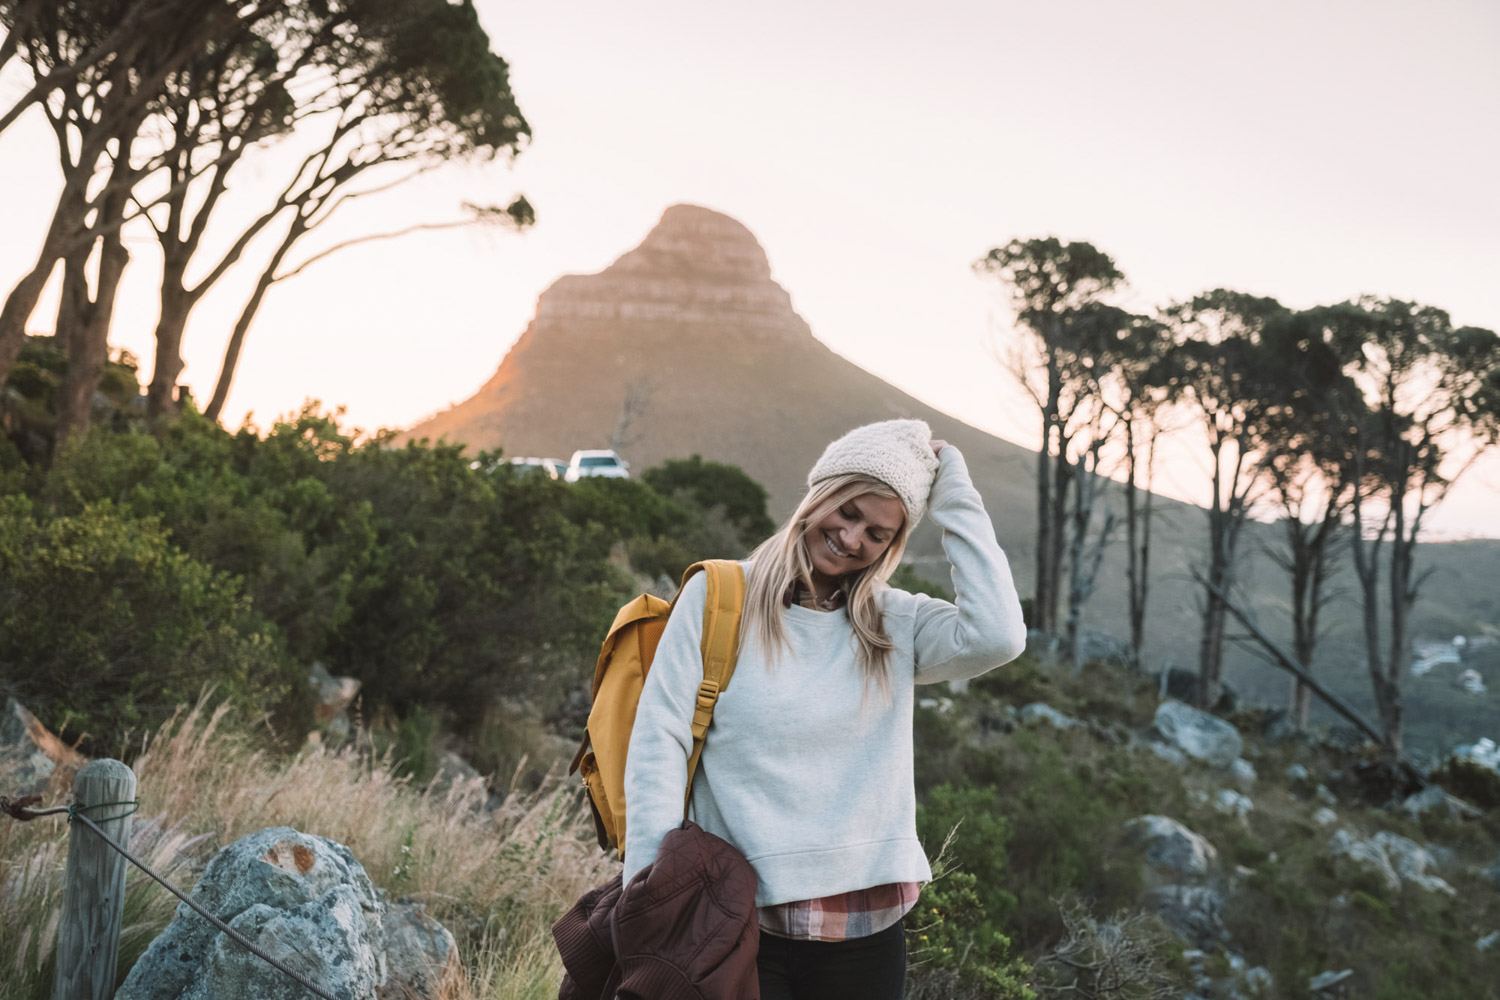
point(722, 608)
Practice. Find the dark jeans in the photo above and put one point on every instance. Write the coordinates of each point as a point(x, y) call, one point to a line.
point(867, 968)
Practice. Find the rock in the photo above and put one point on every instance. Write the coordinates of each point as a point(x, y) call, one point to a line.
point(1170, 754)
point(1172, 851)
point(1328, 980)
point(1233, 803)
point(1325, 795)
point(1325, 816)
point(1039, 712)
point(306, 901)
point(1434, 798)
point(1392, 857)
point(1492, 873)
point(1259, 979)
point(1489, 942)
point(1297, 774)
point(1473, 771)
point(1198, 734)
point(1243, 773)
point(332, 697)
point(30, 754)
point(420, 954)
point(1194, 913)
point(303, 899)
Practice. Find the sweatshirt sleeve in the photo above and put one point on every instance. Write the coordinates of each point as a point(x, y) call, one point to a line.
point(984, 628)
point(661, 739)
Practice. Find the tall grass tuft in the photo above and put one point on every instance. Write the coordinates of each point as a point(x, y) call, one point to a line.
point(496, 878)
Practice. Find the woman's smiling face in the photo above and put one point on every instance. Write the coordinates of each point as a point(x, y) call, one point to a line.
point(854, 534)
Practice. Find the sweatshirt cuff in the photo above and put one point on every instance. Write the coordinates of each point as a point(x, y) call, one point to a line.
point(952, 479)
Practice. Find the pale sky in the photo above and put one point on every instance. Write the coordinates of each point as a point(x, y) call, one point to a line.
point(1310, 152)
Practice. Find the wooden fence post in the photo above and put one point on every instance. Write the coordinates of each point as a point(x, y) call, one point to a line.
point(88, 938)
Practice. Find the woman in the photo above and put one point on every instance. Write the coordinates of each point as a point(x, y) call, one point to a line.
point(808, 767)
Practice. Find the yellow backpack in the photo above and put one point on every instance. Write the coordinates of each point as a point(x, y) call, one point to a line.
point(624, 660)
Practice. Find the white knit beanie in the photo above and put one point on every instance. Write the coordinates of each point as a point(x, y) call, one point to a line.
point(896, 452)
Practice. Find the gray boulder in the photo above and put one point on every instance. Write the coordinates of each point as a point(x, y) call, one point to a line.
point(303, 899)
point(1195, 913)
point(1391, 856)
point(1039, 712)
point(332, 697)
point(1329, 980)
point(1170, 754)
point(1198, 734)
point(421, 956)
point(1233, 803)
point(1172, 852)
point(30, 753)
point(1434, 798)
point(1243, 773)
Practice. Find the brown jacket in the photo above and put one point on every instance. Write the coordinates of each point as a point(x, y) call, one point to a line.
point(684, 929)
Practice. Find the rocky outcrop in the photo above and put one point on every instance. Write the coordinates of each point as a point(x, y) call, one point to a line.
point(1171, 852)
point(1179, 873)
point(307, 902)
point(30, 754)
point(1198, 734)
point(1392, 857)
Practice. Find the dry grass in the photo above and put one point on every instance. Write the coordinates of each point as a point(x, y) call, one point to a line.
point(496, 878)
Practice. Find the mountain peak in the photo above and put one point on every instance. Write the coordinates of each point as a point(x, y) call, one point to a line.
point(697, 241)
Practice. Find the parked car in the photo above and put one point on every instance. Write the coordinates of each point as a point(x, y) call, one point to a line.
point(601, 462)
point(552, 468)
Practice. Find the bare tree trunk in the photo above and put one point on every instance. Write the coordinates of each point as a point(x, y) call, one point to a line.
point(1063, 474)
point(1044, 566)
point(1139, 524)
point(161, 398)
point(88, 344)
point(1084, 556)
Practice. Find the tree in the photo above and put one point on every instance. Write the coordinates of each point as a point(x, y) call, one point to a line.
point(1049, 282)
point(1224, 379)
point(414, 86)
point(1139, 395)
point(1090, 353)
point(1433, 396)
point(1308, 434)
point(99, 67)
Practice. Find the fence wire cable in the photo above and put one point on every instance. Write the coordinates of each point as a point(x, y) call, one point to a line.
point(16, 809)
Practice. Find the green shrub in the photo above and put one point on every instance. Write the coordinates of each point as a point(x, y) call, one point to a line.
point(710, 485)
point(106, 627)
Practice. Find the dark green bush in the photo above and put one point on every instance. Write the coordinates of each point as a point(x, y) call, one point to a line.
point(709, 485)
point(105, 626)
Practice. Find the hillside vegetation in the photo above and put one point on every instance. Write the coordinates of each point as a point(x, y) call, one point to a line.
point(145, 565)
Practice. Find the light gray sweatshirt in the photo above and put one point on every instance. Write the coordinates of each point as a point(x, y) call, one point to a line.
point(804, 771)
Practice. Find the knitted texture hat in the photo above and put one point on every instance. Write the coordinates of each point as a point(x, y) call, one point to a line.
point(896, 452)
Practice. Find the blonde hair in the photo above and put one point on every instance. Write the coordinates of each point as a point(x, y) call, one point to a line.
point(783, 559)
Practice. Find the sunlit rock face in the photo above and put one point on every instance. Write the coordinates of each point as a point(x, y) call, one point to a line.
point(699, 271)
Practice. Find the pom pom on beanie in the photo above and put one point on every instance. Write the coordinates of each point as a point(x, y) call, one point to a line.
point(896, 452)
